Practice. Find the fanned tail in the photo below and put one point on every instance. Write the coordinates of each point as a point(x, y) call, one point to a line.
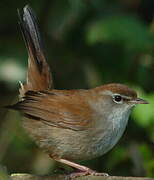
point(38, 73)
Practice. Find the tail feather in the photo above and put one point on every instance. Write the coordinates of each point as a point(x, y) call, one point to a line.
point(38, 73)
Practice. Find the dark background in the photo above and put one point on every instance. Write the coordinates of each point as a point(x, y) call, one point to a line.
point(88, 43)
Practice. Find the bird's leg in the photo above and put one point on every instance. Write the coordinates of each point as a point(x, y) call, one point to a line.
point(83, 170)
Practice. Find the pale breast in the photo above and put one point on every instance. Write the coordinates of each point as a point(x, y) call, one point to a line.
point(115, 127)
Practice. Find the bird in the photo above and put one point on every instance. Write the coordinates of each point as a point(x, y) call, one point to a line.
point(69, 125)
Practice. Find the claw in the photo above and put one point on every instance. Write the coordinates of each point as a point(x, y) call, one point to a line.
point(86, 173)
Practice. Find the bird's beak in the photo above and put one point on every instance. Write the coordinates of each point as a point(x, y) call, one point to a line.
point(139, 101)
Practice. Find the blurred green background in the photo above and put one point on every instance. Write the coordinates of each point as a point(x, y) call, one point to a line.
point(88, 43)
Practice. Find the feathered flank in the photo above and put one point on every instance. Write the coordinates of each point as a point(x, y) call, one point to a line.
point(38, 75)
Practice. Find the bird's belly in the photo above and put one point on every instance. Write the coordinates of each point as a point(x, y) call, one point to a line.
point(75, 145)
point(89, 145)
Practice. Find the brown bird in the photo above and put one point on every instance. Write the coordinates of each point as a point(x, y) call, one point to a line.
point(69, 125)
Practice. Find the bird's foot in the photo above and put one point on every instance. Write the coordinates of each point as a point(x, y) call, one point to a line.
point(95, 173)
point(83, 170)
point(86, 173)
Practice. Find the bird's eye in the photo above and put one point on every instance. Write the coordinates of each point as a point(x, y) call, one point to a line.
point(117, 99)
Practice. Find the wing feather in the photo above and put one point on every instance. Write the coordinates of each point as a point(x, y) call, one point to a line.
point(57, 108)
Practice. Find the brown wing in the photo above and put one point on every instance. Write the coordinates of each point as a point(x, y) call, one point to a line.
point(57, 108)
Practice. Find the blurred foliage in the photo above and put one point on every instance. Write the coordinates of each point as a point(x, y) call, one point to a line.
point(127, 30)
point(88, 43)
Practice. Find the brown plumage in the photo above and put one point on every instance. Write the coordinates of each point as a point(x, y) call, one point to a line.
point(69, 124)
point(119, 88)
point(66, 108)
point(38, 74)
point(57, 108)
